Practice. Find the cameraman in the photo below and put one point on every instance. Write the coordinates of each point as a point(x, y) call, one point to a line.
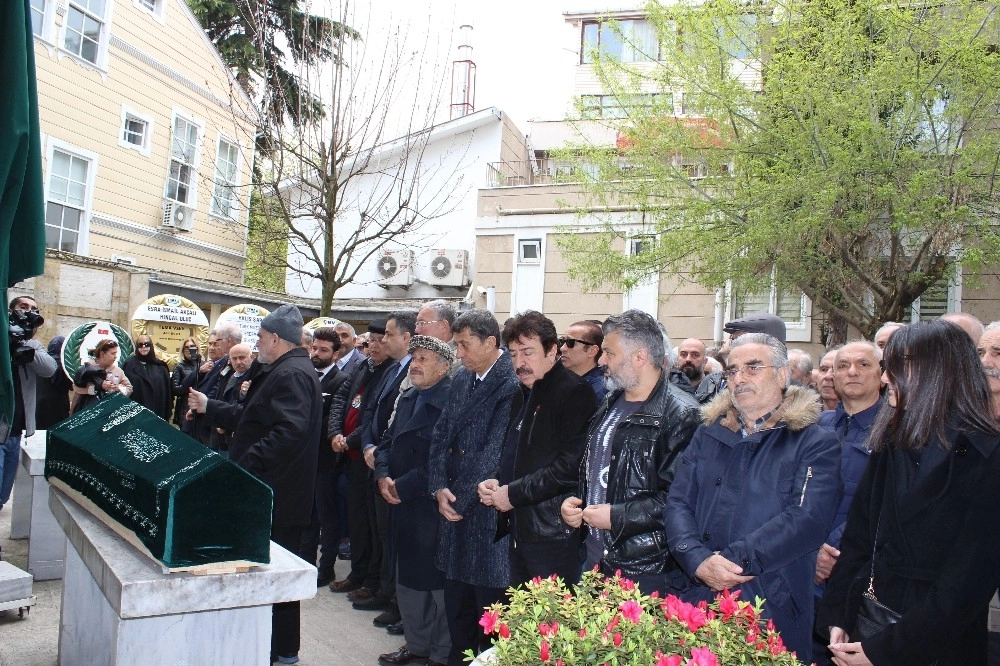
point(28, 361)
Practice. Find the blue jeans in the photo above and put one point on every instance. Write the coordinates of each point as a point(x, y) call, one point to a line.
point(8, 466)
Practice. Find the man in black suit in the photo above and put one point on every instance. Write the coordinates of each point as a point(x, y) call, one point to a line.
point(399, 328)
point(210, 375)
point(323, 530)
point(234, 389)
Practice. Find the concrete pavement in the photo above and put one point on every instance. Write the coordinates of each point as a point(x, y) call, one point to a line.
point(333, 633)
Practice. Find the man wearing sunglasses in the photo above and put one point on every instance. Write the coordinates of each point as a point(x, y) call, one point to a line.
point(579, 349)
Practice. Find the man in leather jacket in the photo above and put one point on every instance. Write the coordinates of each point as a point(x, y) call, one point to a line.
point(634, 443)
point(538, 466)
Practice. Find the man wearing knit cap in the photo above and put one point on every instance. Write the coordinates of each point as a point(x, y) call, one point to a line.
point(401, 473)
point(275, 436)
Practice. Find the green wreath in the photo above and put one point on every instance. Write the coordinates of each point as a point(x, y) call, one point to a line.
point(71, 348)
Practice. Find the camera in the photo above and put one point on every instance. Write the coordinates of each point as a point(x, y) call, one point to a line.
point(22, 327)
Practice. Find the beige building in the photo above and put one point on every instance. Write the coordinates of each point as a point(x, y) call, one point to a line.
point(528, 204)
point(146, 140)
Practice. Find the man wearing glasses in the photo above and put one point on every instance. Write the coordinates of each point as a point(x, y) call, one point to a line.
point(434, 320)
point(755, 495)
point(579, 349)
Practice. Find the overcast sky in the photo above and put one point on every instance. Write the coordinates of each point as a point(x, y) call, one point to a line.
point(523, 49)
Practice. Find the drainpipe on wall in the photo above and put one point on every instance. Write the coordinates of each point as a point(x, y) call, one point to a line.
point(491, 298)
point(720, 314)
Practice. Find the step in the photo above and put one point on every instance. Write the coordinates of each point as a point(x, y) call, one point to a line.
point(14, 583)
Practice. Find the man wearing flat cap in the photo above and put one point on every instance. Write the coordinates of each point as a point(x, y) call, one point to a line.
point(275, 436)
point(755, 322)
point(401, 473)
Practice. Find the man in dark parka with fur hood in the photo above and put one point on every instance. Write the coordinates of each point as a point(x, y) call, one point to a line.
point(755, 494)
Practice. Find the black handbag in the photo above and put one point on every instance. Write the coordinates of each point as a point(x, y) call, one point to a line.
point(873, 615)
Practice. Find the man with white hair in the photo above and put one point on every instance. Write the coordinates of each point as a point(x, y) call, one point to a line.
point(967, 322)
point(210, 375)
point(989, 354)
point(883, 333)
point(755, 493)
point(800, 365)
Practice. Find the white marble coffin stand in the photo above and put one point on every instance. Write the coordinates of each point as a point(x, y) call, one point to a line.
point(31, 516)
point(119, 609)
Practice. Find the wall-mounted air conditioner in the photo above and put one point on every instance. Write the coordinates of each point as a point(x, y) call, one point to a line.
point(395, 268)
point(448, 268)
point(177, 215)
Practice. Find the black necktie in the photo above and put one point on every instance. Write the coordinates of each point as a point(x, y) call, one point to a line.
point(319, 373)
point(476, 383)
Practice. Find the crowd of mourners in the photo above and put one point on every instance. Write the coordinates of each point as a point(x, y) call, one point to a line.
point(448, 458)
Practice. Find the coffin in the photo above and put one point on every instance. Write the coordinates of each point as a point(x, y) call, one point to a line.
point(185, 504)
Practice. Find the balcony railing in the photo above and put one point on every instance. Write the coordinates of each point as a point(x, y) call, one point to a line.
point(514, 174)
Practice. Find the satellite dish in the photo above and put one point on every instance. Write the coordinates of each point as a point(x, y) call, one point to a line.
point(441, 267)
point(387, 266)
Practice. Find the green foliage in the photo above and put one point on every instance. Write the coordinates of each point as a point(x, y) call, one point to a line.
point(267, 246)
point(849, 146)
point(252, 36)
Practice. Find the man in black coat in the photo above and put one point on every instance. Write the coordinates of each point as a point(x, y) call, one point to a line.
point(275, 437)
point(345, 429)
point(541, 457)
point(401, 472)
point(213, 371)
point(324, 527)
point(234, 390)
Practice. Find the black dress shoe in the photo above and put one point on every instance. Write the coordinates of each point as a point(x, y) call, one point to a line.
point(389, 616)
point(377, 603)
point(395, 629)
point(400, 656)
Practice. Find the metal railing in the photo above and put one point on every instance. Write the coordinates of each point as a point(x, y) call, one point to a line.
point(528, 172)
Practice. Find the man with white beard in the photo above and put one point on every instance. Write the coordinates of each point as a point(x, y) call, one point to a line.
point(989, 354)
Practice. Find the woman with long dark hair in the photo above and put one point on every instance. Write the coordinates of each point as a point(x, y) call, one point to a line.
point(919, 555)
point(150, 378)
point(188, 363)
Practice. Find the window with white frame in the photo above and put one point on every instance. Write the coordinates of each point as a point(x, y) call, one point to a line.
point(154, 7)
point(529, 251)
point(85, 28)
point(136, 131)
point(627, 40)
point(38, 8)
point(224, 199)
point(66, 200)
point(183, 161)
point(940, 298)
point(788, 303)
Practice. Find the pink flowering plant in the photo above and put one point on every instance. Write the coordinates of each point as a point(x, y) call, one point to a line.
point(608, 621)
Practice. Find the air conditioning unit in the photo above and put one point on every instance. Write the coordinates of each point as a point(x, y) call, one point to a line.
point(177, 216)
point(448, 268)
point(395, 268)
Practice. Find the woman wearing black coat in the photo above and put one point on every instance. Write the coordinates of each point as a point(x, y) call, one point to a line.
point(190, 360)
point(923, 531)
point(150, 378)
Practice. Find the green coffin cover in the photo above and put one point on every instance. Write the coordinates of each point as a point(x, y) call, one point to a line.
point(187, 504)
